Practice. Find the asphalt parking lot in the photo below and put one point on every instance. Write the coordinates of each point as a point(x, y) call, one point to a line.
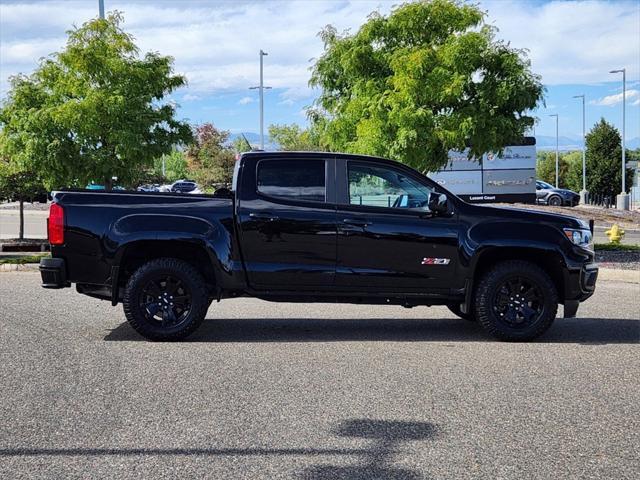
point(314, 392)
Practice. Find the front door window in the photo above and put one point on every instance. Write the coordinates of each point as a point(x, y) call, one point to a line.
point(379, 186)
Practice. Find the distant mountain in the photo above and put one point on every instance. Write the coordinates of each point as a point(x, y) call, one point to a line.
point(254, 140)
point(633, 144)
point(545, 142)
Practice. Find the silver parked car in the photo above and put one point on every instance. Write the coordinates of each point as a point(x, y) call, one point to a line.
point(547, 194)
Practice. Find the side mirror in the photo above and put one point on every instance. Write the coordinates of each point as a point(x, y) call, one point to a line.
point(438, 203)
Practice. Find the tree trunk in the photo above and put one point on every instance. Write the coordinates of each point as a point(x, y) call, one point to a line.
point(108, 184)
point(21, 233)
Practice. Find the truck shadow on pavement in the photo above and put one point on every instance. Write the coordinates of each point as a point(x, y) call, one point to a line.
point(386, 441)
point(574, 330)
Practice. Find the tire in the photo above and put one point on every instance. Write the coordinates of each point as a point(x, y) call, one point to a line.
point(165, 317)
point(555, 200)
point(455, 309)
point(516, 301)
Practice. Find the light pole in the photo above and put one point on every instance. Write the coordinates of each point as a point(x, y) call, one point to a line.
point(622, 200)
point(557, 160)
point(261, 87)
point(101, 8)
point(584, 194)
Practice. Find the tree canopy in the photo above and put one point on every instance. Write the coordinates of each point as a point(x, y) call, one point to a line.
point(93, 111)
point(427, 78)
point(209, 158)
point(293, 138)
point(603, 157)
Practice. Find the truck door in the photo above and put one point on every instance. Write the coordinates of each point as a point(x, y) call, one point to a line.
point(287, 217)
point(387, 239)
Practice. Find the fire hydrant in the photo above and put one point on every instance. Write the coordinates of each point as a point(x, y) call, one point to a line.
point(615, 234)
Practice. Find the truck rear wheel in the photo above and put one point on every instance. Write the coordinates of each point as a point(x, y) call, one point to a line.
point(516, 301)
point(165, 299)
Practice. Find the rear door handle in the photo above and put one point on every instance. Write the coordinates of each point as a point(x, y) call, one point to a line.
point(357, 222)
point(263, 216)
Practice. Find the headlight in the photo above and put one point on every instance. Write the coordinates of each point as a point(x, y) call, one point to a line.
point(583, 238)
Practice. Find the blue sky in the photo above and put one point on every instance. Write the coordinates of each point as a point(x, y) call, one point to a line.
point(573, 45)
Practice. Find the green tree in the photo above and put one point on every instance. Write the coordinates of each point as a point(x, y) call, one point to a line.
point(241, 144)
point(427, 78)
point(175, 166)
point(603, 161)
point(293, 138)
point(210, 160)
point(546, 168)
point(20, 186)
point(573, 175)
point(95, 110)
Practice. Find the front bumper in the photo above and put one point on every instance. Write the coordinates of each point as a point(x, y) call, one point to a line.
point(54, 273)
point(579, 285)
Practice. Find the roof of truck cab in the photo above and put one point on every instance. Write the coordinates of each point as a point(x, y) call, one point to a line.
point(302, 153)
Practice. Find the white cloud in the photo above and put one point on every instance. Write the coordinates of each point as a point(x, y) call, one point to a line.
point(188, 97)
point(572, 42)
point(216, 44)
point(612, 100)
point(245, 100)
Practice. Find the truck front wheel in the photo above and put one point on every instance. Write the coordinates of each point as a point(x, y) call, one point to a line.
point(516, 301)
point(165, 299)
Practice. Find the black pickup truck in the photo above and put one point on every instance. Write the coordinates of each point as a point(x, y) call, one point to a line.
point(318, 227)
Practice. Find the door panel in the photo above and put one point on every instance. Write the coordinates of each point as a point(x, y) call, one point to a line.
point(288, 228)
point(387, 238)
point(395, 252)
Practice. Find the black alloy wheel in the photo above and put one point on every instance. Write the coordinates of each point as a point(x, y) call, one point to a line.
point(516, 301)
point(166, 299)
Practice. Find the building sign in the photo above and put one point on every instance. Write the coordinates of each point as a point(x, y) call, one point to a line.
point(508, 177)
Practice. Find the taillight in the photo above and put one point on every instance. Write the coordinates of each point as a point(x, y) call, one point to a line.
point(56, 224)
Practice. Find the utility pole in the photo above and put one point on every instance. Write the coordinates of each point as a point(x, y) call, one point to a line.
point(584, 194)
point(557, 156)
point(101, 8)
point(262, 88)
point(622, 200)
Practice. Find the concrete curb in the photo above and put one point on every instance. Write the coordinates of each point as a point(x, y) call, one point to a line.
point(14, 267)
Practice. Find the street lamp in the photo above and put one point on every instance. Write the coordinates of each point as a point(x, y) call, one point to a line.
point(261, 87)
point(584, 194)
point(101, 8)
point(622, 200)
point(556, 115)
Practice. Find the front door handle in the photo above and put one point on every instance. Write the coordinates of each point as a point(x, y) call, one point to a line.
point(269, 217)
point(358, 222)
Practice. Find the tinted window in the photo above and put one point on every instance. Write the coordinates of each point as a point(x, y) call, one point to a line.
point(378, 186)
point(292, 179)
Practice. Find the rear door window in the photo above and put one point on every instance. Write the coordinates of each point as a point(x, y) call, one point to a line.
point(296, 180)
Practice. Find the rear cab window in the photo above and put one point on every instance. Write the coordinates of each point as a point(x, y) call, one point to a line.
point(293, 180)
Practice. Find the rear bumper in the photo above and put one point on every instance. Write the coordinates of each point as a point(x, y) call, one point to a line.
point(54, 273)
point(579, 285)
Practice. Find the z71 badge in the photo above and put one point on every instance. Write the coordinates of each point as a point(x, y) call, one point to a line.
point(435, 261)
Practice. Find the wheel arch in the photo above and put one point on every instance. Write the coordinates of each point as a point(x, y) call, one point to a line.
point(549, 259)
point(134, 254)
